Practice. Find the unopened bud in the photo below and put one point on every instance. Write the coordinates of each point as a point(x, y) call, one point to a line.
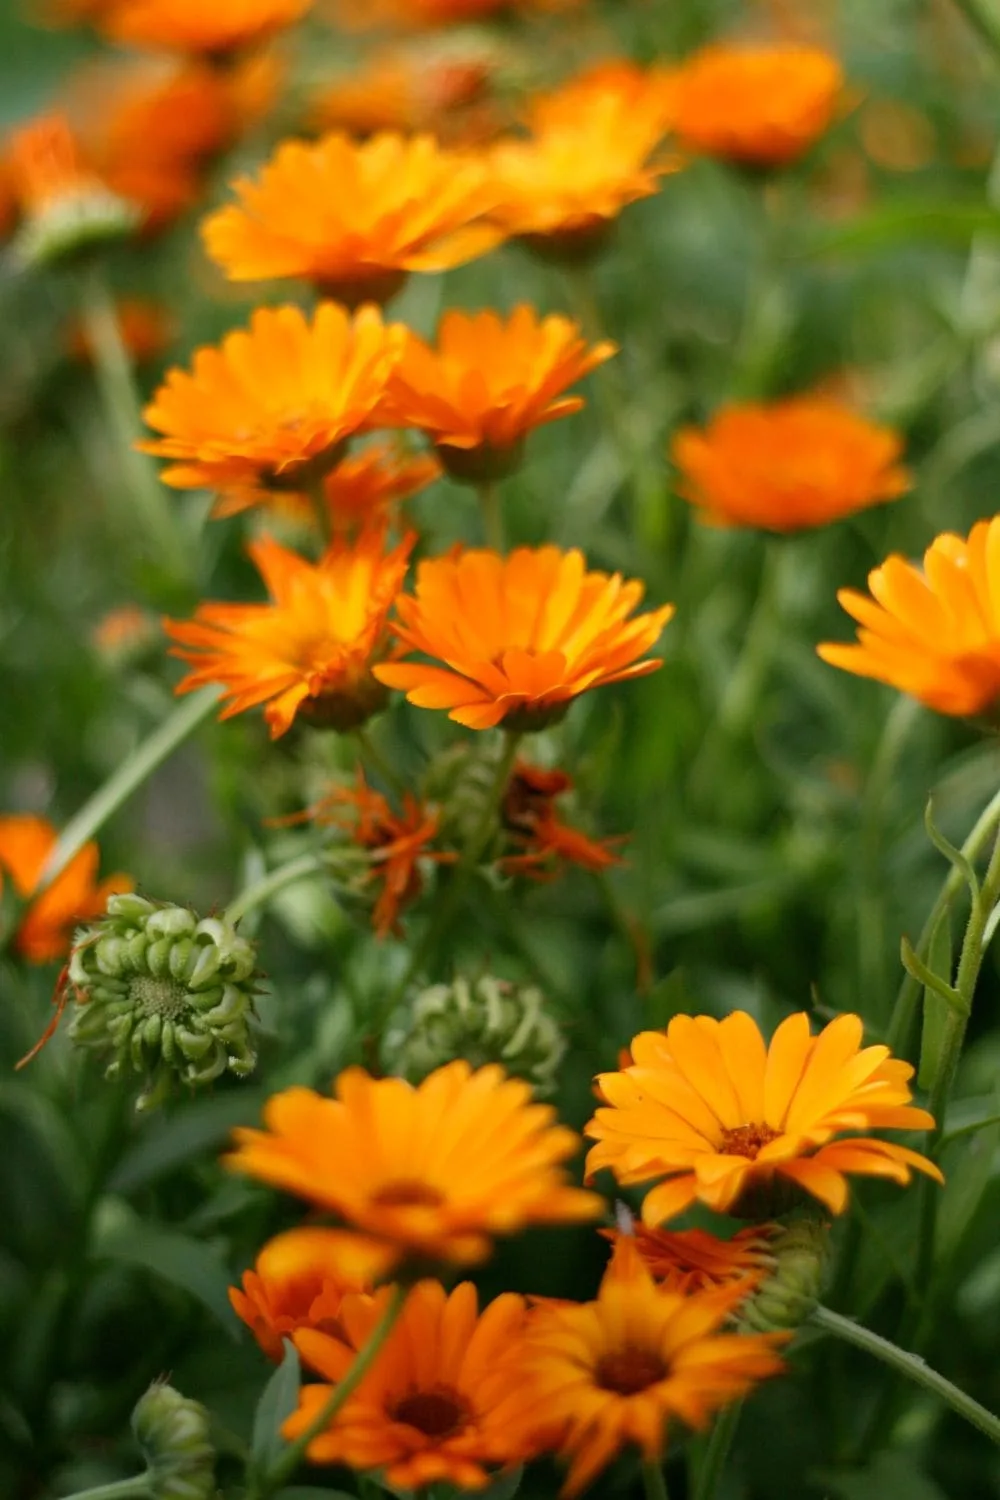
point(173, 1433)
point(786, 1296)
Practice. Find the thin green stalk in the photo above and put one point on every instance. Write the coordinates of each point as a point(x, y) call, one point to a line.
point(372, 756)
point(129, 776)
point(982, 15)
point(910, 1365)
point(654, 1481)
point(720, 1442)
point(290, 1458)
point(492, 511)
point(135, 1488)
point(870, 885)
point(274, 881)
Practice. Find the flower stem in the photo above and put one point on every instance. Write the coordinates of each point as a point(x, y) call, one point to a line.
point(654, 1481)
point(270, 884)
point(372, 756)
point(984, 19)
point(489, 504)
point(910, 1365)
point(129, 776)
point(291, 1456)
point(121, 1489)
point(720, 1441)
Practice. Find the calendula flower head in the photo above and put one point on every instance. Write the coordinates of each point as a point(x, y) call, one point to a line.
point(363, 489)
point(43, 923)
point(544, 842)
point(758, 107)
point(434, 1406)
point(214, 31)
point(174, 1434)
point(788, 465)
point(429, 86)
point(619, 91)
point(602, 1376)
point(272, 407)
point(932, 632)
point(694, 1260)
point(164, 993)
point(355, 219)
point(145, 326)
point(309, 652)
point(66, 209)
point(481, 1020)
point(300, 1280)
point(487, 383)
point(435, 1170)
point(518, 637)
point(749, 1129)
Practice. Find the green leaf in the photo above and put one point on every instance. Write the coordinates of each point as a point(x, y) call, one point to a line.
point(309, 1492)
point(891, 1474)
point(505, 1487)
point(278, 1400)
point(182, 1261)
point(194, 1130)
point(667, 999)
point(936, 1007)
point(893, 225)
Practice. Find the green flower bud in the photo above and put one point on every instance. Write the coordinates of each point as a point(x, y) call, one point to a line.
point(166, 993)
point(483, 1020)
point(173, 1433)
point(71, 226)
point(800, 1252)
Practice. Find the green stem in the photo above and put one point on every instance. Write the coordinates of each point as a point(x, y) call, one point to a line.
point(983, 17)
point(910, 1365)
point(373, 757)
point(290, 1458)
point(492, 510)
point(274, 881)
point(129, 776)
point(870, 885)
point(720, 1442)
point(654, 1481)
point(121, 1489)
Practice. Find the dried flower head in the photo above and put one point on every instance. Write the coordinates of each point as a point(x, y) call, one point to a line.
point(44, 928)
point(544, 841)
point(694, 1260)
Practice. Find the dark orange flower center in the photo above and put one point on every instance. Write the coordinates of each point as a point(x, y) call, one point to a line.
point(407, 1194)
point(747, 1140)
point(628, 1371)
point(437, 1414)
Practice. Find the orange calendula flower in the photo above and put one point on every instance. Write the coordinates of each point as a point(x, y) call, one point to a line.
point(529, 814)
point(788, 465)
point(735, 1124)
point(519, 637)
point(932, 632)
point(355, 218)
point(434, 1408)
point(46, 928)
point(488, 382)
point(435, 1170)
point(692, 1260)
point(606, 1375)
point(761, 107)
point(300, 1280)
point(191, 26)
point(364, 488)
point(272, 406)
point(309, 652)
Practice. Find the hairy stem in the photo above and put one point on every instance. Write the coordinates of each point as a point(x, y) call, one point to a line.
point(274, 881)
point(720, 1442)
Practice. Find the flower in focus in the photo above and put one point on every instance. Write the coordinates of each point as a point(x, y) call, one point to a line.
point(600, 1376)
point(692, 1260)
point(46, 927)
point(761, 107)
point(488, 382)
point(65, 207)
point(299, 1280)
point(735, 1124)
point(355, 218)
point(519, 636)
point(788, 465)
point(309, 651)
point(363, 489)
point(146, 329)
point(932, 632)
point(192, 26)
point(435, 1170)
point(434, 1406)
point(427, 87)
point(271, 407)
point(529, 814)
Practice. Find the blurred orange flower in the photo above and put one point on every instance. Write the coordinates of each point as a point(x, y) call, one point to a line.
point(46, 928)
point(692, 1260)
point(760, 107)
point(518, 637)
point(364, 15)
point(788, 465)
point(488, 382)
point(146, 328)
point(433, 1409)
point(932, 632)
point(210, 28)
point(363, 488)
point(271, 407)
point(355, 218)
point(528, 812)
point(735, 1124)
point(63, 201)
point(407, 89)
point(436, 1169)
point(309, 652)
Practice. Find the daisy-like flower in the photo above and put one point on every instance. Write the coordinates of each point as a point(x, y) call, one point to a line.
point(273, 405)
point(300, 1279)
point(488, 382)
point(436, 1170)
point(602, 1376)
point(788, 465)
point(434, 1406)
point(732, 1123)
point(529, 814)
point(310, 650)
point(355, 218)
point(190, 26)
point(46, 927)
point(518, 637)
point(932, 632)
point(693, 1260)
point(364, 489)
point(760, 107)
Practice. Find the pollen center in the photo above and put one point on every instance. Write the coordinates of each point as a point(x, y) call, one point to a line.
point(747, 1140)
point(628, 1371)
point(437, 1414)
point(407, 1194)
point(159, 997)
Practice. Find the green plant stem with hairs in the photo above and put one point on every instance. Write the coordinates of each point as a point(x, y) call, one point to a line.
point(491, 506)
point(137, 1488)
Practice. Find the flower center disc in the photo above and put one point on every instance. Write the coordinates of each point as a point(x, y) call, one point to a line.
point(437, 1414)
point(747, 1140)
point(158, 997)
point(628, 1371)
point(403, 1194)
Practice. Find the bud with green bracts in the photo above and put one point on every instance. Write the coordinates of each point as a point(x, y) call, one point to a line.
point(482, 1020)
point(800, 1252)
point(173, 1433)
point(167, 993)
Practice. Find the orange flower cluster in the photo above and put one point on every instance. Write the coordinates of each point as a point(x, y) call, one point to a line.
point(45, 928)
